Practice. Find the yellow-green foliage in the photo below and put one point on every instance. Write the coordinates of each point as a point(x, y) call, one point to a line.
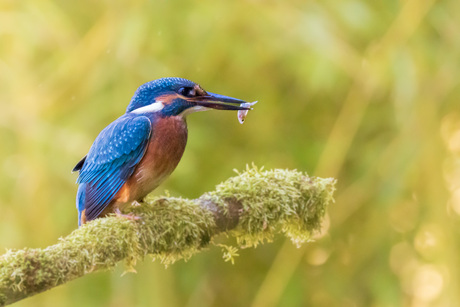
point(365, 91)
point(174, 228)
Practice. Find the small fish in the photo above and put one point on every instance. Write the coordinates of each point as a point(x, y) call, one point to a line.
point(242, 113)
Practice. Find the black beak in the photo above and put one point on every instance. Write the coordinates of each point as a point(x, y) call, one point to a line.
point(220, 102)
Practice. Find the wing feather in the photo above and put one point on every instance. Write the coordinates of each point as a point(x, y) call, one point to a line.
point(111, 161)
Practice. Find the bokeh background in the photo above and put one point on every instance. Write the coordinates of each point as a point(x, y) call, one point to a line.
point(364, 91)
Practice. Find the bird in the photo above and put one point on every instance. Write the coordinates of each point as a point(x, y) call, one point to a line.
point(135, 153)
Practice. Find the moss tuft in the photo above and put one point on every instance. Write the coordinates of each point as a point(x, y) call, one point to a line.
point(285, 200)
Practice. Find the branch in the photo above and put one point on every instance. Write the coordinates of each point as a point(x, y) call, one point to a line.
point(251, 207)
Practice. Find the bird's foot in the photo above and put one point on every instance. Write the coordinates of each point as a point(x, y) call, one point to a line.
point(129, 216)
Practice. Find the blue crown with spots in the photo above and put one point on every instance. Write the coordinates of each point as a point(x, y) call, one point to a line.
point(146, 93)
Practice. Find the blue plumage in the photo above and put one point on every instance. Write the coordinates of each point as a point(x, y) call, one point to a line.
point(111, 160)
point(147, 92)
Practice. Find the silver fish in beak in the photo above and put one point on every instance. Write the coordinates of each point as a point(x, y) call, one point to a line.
point(243, 113)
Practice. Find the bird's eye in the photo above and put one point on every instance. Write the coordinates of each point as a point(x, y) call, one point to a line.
point(187, 91)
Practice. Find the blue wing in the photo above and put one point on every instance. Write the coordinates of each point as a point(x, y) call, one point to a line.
point(110, 162)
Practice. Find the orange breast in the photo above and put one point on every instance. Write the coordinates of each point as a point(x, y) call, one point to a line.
point(164, 151)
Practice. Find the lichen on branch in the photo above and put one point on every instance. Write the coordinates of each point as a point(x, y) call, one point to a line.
point(251, 207)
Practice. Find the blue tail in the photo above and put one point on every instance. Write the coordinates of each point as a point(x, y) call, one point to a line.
point(81, 193)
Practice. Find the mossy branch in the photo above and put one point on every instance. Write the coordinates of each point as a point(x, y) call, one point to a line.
point(251, 207)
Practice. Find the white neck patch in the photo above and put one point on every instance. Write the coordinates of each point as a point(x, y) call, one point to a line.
point(153, 107)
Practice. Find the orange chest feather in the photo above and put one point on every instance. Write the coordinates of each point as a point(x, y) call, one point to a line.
point(164, 151)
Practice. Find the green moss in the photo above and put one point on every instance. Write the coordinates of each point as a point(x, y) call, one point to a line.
point(176, 228)
point(285, 200)
point(170, 229)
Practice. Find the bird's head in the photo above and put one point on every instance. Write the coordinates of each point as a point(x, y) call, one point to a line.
point(177, 96)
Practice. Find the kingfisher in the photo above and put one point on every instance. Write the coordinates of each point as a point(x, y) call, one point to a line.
point(139, 150)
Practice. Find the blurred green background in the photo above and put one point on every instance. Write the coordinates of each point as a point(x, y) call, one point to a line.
point(364, 91)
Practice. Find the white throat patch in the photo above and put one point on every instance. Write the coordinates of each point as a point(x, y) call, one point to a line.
point(193, 110)
point(153, 107)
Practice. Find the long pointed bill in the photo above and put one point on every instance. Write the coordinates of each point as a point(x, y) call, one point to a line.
point(220, 102)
